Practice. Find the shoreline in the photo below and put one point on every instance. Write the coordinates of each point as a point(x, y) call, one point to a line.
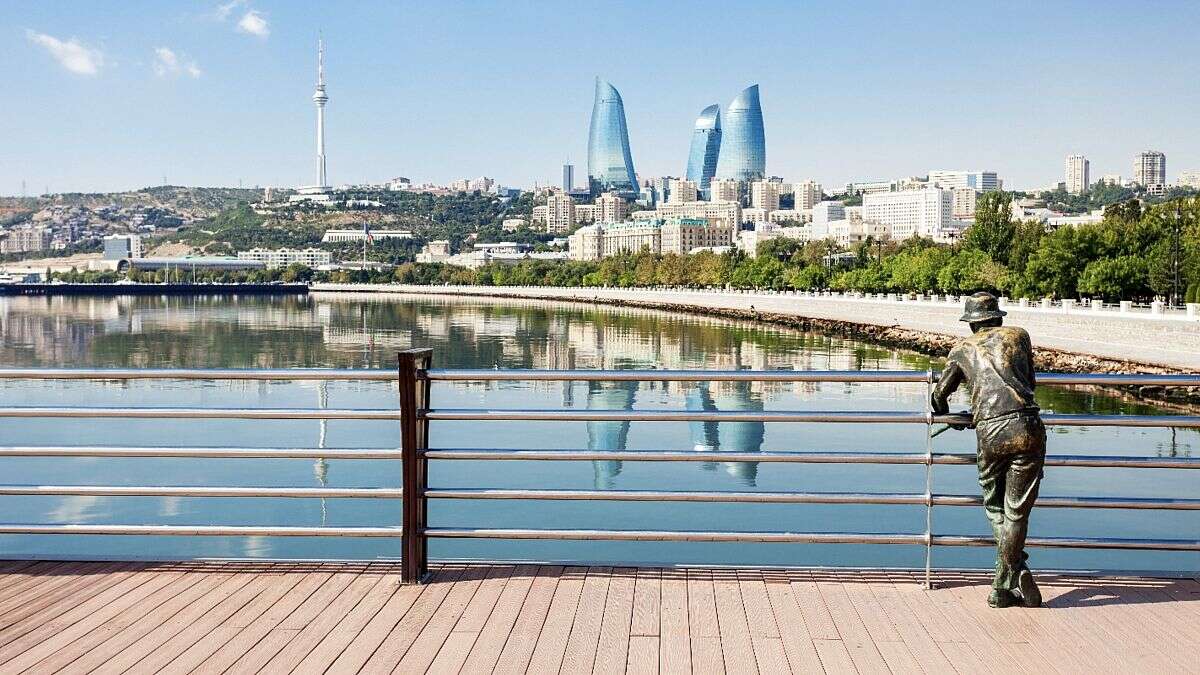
point(924, 341)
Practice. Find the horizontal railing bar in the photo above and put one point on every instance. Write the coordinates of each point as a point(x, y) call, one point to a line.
point(204, 413)
point(584, 375)
point(679, 456)
point(308, 374)
point(1158, 421)
point(805, 538)
point(672, 535)
point(1105, 379)
point(512, 414)
point(1076, 542)
point(829, 416)
point(1169, 504)
point(679, 496)
point(205, 491)
point(1106, 461)
point(203, 530)
point(218, 453)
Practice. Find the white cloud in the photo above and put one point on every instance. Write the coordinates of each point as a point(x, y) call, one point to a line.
point(70, 54)
point(254, 23)
point(169, 64)
point(224, 9)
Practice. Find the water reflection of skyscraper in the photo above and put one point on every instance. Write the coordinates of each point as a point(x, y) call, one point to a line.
point(706, 436)
point(727, 436)
point(609, 435)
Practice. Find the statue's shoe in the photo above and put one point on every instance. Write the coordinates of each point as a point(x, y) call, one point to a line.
point(1000, 599)
point(1027, 589)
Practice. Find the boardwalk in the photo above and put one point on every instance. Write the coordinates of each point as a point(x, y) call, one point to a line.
point(339, 618)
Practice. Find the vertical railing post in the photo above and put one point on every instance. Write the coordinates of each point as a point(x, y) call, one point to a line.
point(414, 440)
point(929, 478)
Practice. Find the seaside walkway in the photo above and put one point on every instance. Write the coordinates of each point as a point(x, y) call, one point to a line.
point(356, 617)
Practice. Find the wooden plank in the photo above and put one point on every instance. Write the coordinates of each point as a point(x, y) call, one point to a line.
point(486, 650)
point(21, 582)
point(196, 655)
point(647, 599)
point(643, 655)
point(580, 654)
point(812, 607)
point(770, 655)
point(245, 639)
point(405, 633)
point(277, 638)
point(704, 630)
point(327, 618)
point(88, 651)
point(916, 638)
point(674, 646)
point(45, 601)
point(612, 650)
point(855, 636)
point(453, 654)
point(431, 638)
point(128, 657)
point(736, 645)
point(759, 616)
point(797, 641)
point(551, 643)
point(335, 643)
point(518, 649)
point(833, 655)
point(156, 656)
point(368, 640)
point(30, 647)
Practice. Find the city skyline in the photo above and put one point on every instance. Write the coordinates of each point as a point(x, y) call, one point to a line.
point(213, 94)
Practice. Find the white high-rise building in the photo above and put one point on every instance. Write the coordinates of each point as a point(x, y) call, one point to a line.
point(912, 213)
point(1150, 168)
point(321, 98)
point(560, 213)
point(724, 190)
point(681, 190)
point(806, 194)
point(984, 181)
point(764, 195)
point(610, 208)
point(964, 203)
point(1078, 174)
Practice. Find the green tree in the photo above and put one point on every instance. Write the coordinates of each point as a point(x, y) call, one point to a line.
point(993, 229)
point(1116, 278)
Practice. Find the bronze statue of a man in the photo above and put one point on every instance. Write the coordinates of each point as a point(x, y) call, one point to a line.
point(996, 362)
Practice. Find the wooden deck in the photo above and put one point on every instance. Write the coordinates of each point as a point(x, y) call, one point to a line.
point(339, 618)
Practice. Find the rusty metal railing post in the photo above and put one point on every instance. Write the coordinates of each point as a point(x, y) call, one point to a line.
point(414, 440)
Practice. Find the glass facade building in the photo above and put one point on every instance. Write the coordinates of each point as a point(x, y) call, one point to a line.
point(743, 145)
point(706, 146)
point(610, 166)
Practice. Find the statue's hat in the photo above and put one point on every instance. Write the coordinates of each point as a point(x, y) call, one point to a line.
point(981, 307)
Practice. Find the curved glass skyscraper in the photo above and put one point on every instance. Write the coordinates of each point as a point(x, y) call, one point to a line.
point(744, 145)
point(610, 166)
point(706, 145)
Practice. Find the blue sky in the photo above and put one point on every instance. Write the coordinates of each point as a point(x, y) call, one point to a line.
point(440, 90)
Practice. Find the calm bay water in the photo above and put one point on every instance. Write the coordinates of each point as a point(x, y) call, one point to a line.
point(366, 332)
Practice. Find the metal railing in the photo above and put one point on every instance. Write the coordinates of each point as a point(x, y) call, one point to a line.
point(414, 378)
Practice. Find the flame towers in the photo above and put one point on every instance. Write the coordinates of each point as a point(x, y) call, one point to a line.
point(706, 147)
point(743, 146)
point(610, 166)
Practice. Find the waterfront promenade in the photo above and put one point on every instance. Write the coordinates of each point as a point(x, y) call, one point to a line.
point(355, 617)
point(1170, 340)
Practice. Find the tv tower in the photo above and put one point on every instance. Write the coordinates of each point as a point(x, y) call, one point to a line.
point(320, 98)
